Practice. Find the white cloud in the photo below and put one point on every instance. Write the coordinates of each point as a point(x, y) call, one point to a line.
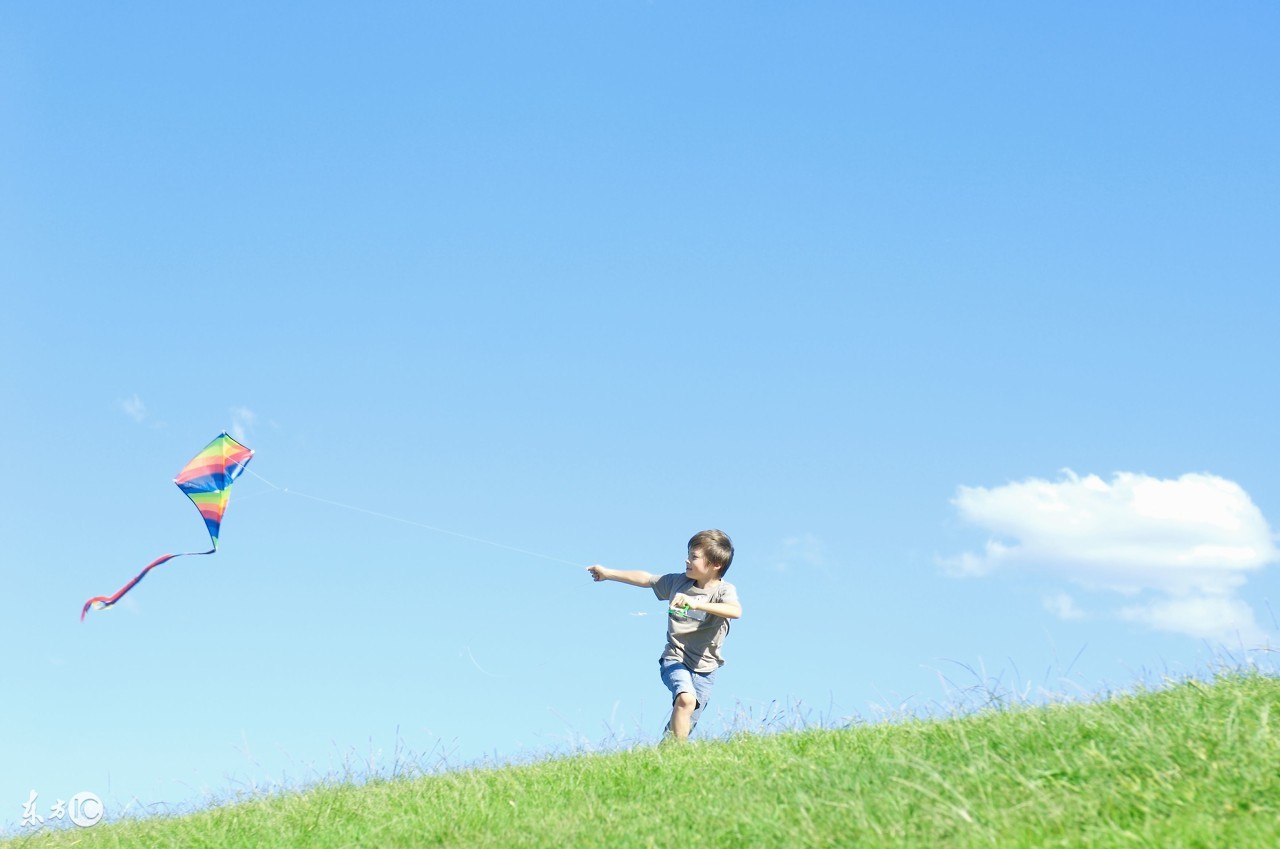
point(1063, 606)
point(242, 419)
point(1207, 617)
point(134, 408)
point(803, 552)
point(1191, 541)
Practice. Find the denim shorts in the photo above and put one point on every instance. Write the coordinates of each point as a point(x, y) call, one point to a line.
point(681, 679)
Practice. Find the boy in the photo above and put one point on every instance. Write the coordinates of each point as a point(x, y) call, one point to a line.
point(701, 604)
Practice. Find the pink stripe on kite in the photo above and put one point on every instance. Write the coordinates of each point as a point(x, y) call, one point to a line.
point(213, 467)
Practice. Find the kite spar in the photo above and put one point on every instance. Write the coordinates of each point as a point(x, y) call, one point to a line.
point(207, 482)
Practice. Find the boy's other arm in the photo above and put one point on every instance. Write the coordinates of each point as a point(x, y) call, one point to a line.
point(723, 609)
point(635, 578)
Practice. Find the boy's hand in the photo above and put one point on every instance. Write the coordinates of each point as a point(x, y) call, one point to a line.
point(680, 600)
point(599, 573)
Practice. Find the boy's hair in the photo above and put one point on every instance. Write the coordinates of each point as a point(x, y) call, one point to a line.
point(715, 546)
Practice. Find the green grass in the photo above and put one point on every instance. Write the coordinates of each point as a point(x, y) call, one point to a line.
point(1194, 764)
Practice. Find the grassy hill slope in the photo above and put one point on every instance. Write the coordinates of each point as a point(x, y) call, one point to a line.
point(1192, 765)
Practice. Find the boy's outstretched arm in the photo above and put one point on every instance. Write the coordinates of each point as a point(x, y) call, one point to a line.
point(635, 578)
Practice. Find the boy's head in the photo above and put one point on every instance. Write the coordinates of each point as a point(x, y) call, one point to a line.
point(715, 546)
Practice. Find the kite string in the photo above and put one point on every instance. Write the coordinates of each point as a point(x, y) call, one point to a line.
point(415, 524)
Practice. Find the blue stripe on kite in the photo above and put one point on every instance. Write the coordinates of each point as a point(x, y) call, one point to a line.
point(205, 483)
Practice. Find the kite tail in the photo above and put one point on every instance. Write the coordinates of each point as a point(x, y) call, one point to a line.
point(102, 602)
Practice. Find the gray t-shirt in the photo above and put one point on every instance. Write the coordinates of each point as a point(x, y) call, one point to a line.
point(695, 642)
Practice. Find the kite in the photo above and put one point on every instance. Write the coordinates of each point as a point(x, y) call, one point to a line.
point(207, 482)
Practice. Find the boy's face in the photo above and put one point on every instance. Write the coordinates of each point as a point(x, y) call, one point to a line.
point(698, 568)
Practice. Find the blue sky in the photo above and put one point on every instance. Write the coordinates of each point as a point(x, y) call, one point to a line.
point(959, 321)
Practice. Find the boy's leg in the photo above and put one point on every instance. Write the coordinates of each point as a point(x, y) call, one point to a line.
point(690, 693)
point(682, 715)
point(679, 681)
point(702, 684)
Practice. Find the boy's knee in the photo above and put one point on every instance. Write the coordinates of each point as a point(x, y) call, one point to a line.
point(686, 701)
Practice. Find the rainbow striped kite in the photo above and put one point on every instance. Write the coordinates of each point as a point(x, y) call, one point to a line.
point(207, 482)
